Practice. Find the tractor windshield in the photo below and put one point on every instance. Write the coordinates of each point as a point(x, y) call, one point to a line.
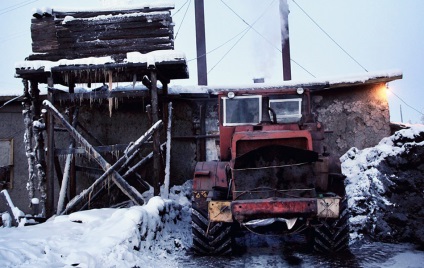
point(242, 110)
point(287, 110)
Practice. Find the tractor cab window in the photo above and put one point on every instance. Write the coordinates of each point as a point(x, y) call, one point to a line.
point(242, 110)
point(287, 110)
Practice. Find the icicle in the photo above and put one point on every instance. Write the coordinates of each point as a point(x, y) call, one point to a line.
point(116, 103)
point(134, 80)
point(110, 89)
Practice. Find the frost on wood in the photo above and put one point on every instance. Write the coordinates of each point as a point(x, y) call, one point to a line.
point(165, 191)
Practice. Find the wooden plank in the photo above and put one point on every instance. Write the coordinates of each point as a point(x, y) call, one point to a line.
point(123, 26)
point(117, 19)
point(156, 137)
point(100, 149)
point(73, 37)
point(109, 169)
point(100, 49)
point(50, 148)
point(166, 182)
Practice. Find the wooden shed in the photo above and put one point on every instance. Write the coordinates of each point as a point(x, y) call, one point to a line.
point(101, 50)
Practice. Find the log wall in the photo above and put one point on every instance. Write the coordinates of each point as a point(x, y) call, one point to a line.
point(71, 35)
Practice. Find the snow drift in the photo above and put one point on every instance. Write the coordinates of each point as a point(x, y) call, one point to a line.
point(126, 237)
point(384, 187)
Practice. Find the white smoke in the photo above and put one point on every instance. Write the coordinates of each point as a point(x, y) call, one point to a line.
point(273, 28)
point(284, 13)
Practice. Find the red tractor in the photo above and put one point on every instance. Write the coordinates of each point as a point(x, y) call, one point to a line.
point(273, 172)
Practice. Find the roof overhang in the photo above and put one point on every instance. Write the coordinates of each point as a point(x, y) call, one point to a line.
point(315, 85)
point(169, 65)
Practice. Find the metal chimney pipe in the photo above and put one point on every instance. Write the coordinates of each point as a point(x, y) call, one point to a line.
point(199, 13)
point(285, 42)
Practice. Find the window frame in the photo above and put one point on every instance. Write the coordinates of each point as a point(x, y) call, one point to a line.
point(10, 163)
point(224, 102)
point(294, 116)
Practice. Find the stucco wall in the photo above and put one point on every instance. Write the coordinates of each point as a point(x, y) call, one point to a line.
point(353, 117)
point(12, 127)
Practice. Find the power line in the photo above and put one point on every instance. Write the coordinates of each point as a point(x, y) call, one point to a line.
point(334, 41)
point(246, 31)
point(176, 12)
point(16, 6)
point(266, 39)
point(13, 36)
point(404, 102)
point(218, 47)
point(182, 21)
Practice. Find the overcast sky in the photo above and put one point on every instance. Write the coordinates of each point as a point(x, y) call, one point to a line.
point(380, 35)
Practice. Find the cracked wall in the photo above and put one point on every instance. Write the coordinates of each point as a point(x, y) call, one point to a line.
point(352, 117)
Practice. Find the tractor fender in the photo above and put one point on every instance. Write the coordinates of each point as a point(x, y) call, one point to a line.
point(210, 180)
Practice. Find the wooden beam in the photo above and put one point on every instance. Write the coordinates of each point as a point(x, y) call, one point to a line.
point(28, 136)
point(132, 193)
point(156, 136)
point(166, 183)
point(50, 150)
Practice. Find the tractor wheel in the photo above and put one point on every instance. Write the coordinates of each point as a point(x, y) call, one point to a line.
point(332, 235)
point(210, 238)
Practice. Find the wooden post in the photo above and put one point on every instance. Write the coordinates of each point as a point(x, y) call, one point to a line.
point(72, 121)
point(156, 135)
point(50, 151)
point(28, 139)
point(132, 193)
point(67, 173)
point(130, 171)
point(39, 152)
point(10, 207)
point(165, 192)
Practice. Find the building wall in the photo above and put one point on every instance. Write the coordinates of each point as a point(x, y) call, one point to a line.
point(353, 117)
point(12, 127)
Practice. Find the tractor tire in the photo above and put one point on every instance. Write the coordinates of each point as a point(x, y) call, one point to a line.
point(210, 238)
point(332, 235)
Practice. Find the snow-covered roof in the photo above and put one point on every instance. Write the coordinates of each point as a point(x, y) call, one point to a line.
point(317, 83)
point(116, 7)
point(150, 59)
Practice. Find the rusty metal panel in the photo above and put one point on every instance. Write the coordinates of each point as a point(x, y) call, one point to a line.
point(210, 174)
point(328, 207)
point(301, 139)
point(259, 209)
point(220, 211)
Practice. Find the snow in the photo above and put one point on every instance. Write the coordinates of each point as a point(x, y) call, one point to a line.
point(364, 186)
point(110, 16)
point(150, 58)
point(125, 237)
point(332, 81)
point(117, 5)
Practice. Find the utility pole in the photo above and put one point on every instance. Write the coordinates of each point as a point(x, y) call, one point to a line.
point(401, 115)
point(199, 13)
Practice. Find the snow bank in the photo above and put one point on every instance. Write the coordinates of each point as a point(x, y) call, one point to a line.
point(131, 237)
point(384, 187)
